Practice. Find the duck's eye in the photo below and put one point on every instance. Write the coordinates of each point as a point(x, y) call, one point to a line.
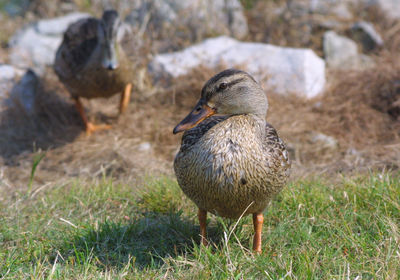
point(198, 109)
point(222, 86)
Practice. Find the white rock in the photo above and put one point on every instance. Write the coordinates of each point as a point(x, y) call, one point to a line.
point(285, 70)
point(35, 45)
point(180, 63)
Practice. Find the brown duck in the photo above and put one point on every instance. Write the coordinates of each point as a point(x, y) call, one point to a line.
point(92, 63)
point(231, 161)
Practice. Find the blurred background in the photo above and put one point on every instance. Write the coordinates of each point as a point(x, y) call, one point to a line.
point(330, 69)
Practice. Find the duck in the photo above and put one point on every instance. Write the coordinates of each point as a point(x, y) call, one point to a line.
point(91, 62)
point(231, 161)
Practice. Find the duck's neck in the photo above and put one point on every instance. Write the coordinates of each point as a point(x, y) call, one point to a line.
point(260, 121)
point(259, 117)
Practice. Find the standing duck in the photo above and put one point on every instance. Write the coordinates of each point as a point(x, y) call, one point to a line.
point(92, 63)
point(231, 161)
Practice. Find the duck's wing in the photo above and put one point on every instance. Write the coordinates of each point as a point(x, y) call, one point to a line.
point(277, 151)
point(78, 44)
point(191, 136)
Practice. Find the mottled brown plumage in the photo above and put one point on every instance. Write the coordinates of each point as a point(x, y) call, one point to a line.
point(91, 62)
point(236, 163)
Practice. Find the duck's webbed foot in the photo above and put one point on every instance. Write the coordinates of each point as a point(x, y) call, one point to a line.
point(90, 127)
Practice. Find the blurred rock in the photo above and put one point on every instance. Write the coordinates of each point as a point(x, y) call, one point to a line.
point(284, 70)
point(9, 73)
point(24, 93)
point(8, 76)
point(35, 45)
point(145, 146)
point(365, 33)
point(193, 20)
point(330, 24)
point(324, 140)
point(47, 9)
point(390, 7)
point(16, 7)
point(335, 8)
point(341, 53)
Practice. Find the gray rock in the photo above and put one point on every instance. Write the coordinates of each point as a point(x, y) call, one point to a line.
point(35, 45)
point(365, 33)
point(193, 20)
point(341, 53)
point(24, 93)
point(284, 70)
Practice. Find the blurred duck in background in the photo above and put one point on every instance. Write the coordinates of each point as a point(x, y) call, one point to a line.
point(91, 62)
point(231, 161)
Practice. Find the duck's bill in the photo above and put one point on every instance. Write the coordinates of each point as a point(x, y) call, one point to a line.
point(199, 113)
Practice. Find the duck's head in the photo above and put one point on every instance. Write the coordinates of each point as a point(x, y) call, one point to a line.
point(231, 92)
point(108, 38)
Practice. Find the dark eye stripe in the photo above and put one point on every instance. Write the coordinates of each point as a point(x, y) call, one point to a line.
point(231, 84)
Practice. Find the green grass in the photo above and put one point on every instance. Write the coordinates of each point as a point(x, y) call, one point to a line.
point(312, 230)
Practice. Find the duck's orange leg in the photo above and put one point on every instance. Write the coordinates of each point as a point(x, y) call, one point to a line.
point(202, 214)
point(258, 220)
point(90, 127)
point(125, 97)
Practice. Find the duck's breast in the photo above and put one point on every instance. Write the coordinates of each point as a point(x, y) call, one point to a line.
point(93, 80)
point(229, 169)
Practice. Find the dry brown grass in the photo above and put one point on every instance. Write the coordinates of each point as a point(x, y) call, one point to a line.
point(360, 110)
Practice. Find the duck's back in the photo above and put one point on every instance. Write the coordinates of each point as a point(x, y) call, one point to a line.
point(226, 164)
point(79, 42)
point(78, 63)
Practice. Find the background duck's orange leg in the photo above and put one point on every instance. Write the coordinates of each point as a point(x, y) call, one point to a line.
point(125, 97)
point(202, 214)
point(258, 220)
point(90, 127)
